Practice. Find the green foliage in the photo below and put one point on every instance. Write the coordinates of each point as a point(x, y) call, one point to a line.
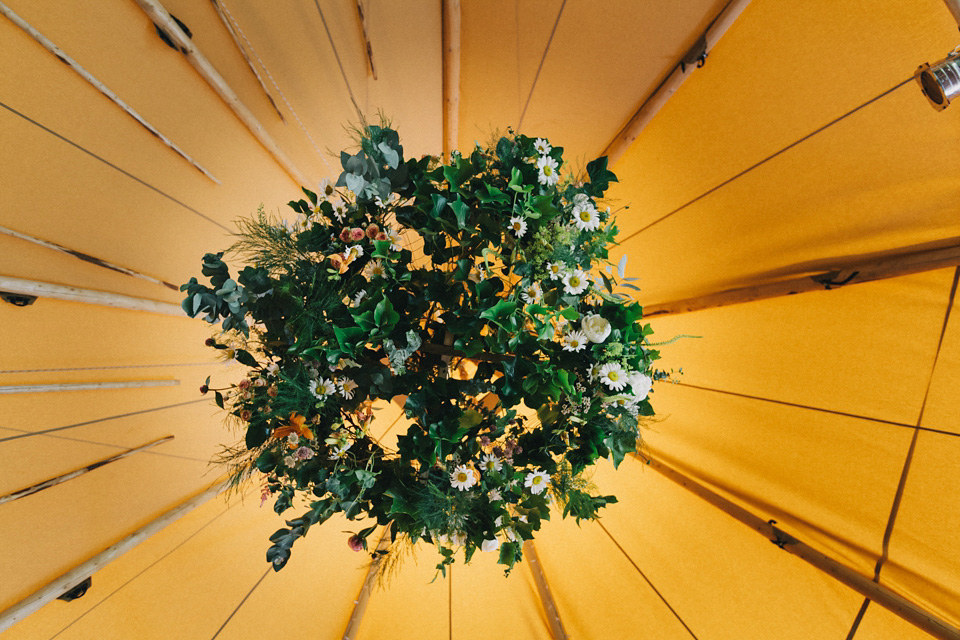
point(519, 370)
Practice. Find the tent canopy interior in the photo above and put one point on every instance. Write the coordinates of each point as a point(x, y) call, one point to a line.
point(802, 146)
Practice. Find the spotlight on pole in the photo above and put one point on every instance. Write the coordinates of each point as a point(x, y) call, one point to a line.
point(940, 81)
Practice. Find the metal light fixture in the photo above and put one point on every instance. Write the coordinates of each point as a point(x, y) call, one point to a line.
point(940, 81)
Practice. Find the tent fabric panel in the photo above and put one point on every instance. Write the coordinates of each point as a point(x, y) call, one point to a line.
point(583, 586)
point(198, 428)
point(76, 334)
point(412, 606)
point(817, 201)
point(155, 605)
point(723, 578)
point(29, 261)
point(177, 102)
point(51, 532)
point(591, 74)
point(773, 461)
point(486, 604)
point(815, 348)
point(880, 624)
point(313, 595)
point(780, 72)
point(148, 556)
point(942, 410)
point(923, 563)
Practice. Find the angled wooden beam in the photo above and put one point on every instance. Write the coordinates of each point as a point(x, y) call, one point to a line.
point(87, 258)
point(47, 44)
point(39, 289)
point(85, 386)
point(451, 74)
point(543, 588)
point(52, 482)
point(236, 40)
point(691, 60)
point(360, 604)
point(81, 572)
point(368, 48)
point(161, 18)
point(954, 7)
point(893, 265)
point(876, 592)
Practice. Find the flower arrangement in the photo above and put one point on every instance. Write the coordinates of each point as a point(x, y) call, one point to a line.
point(520, 363)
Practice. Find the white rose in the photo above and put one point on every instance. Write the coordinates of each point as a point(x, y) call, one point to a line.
point(595, 327)
point(640, 383)
point(489, 545)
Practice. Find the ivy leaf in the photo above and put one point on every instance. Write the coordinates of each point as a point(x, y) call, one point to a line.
point(460, 209)
point(497, 311)
point(244, 357)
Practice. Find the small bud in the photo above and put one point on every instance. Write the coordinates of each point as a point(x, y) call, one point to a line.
point(356, 543)
point(203, 389)
point(210, 342)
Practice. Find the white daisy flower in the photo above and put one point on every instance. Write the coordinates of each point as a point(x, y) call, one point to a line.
point(352, 253)
point(322, 388)
point(640, 384)
point(490, 462)
point(576, 282)
point(542, 146)
point(394, 237)
point(581, 199)
point(462, 478)
point(273, 368)
point(537, 481)
point(374, 269)
point(339, 208)
point(532, 294)
point(621, 400)
point(338, 452)
point(586, 217)
point(594, 372)
point(489, 545)
point(325, 188)
point(574, 341)
point(518, 226)
point(555, 269)
point(613, 375)
point(347, 387)
point(494, 496)
point(357, 299)
point(548, 171)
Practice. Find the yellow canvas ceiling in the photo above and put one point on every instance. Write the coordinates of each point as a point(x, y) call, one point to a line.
point(801, 146)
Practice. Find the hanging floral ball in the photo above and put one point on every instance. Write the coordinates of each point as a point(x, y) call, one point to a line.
point(474, 291)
